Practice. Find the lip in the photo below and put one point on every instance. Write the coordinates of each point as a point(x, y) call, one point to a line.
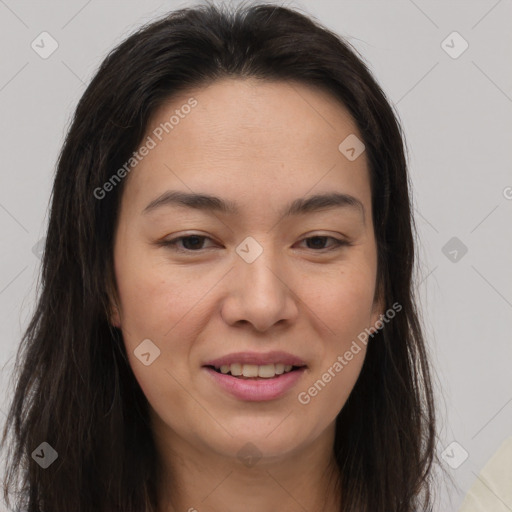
point(257, 358)
point(257, 390)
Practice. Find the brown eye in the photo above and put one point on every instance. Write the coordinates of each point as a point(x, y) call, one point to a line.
point(318, 242)
point(195, 243)
point(189, 243)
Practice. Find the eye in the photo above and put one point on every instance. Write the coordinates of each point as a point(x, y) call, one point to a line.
point(194, 243)
point(318, 242)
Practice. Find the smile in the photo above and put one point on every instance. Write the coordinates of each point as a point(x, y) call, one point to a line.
point(255, 388)
point(248, 371)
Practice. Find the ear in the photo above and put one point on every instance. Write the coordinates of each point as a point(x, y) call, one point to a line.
point(114, 316)
point(378, 307)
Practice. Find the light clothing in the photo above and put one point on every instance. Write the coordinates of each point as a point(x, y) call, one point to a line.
point(492, 490)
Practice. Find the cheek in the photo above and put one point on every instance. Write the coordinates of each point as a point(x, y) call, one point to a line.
point(166, 305)
point(166, 308)
point(156, 298)
point(327, 390)
point(342, 300)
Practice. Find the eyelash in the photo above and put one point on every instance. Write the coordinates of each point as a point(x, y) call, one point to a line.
point(172, 244)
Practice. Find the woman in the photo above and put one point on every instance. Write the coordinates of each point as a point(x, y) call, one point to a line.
point(227, 317)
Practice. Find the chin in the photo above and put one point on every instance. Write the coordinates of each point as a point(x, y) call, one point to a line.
point(253, 440)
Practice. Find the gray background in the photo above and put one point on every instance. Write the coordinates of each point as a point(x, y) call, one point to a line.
point(456, 114)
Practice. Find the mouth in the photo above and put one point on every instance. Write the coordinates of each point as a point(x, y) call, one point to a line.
point(255, 372)
point(254, 383)
point(255, 376)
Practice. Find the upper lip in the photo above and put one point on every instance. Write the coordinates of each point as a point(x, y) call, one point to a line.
point(257, 358)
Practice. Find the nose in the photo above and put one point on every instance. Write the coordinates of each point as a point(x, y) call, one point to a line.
point(260, 293)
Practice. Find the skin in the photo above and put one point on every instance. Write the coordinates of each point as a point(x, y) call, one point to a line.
point(261, 145)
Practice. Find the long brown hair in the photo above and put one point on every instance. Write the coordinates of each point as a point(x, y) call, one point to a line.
point(74, 388)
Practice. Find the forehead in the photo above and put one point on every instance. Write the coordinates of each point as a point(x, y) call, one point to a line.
point(239, 112)
point(250, 137)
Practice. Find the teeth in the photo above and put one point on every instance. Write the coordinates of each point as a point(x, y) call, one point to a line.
point(265, 371)
point(235, 369)
point(250, 370)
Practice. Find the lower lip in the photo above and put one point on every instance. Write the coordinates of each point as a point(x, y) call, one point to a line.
point(257, 390)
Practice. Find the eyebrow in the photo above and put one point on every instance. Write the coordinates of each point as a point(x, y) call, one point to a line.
point(299, 206)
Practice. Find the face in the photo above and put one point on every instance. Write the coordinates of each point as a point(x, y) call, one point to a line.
point(269, 280)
